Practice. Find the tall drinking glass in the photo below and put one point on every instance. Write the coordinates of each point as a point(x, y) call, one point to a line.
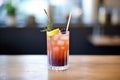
point(58, 51)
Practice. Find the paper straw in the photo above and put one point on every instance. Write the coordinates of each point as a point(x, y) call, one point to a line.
point(46, 12)
point(68, 23)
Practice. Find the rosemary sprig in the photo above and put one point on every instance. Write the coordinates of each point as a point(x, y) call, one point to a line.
point(49, 22)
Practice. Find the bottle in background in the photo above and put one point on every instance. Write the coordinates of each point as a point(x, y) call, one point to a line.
point(104, 14)
point(115, 18)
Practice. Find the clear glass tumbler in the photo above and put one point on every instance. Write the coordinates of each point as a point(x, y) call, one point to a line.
point(58, 51)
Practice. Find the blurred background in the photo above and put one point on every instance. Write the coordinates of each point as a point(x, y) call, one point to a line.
point(83, 11)
point(97, 18)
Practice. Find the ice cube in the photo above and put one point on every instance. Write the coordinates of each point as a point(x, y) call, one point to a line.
point(56, 48)
point(53, 42)
point(64, 38)
point(60, 42)
point(55, 37)
point(62, 48)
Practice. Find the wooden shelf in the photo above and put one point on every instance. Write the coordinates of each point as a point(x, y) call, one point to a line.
point(105, 40)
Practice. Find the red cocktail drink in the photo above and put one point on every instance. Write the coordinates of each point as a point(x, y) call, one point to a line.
point(58, 51)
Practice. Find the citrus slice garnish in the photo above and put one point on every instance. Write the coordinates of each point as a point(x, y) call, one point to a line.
point(53, 32)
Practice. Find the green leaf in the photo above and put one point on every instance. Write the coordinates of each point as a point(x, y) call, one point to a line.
point(49, 23)
point(11, 10)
